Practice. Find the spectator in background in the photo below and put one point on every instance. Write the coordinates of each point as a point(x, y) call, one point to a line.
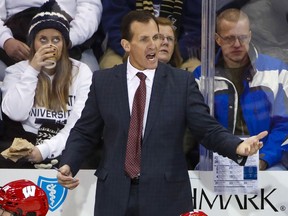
point(42, 101)
point(169, 50)
point(268, 22)
point(250, 88)
point(185, 15)
point(16, 16)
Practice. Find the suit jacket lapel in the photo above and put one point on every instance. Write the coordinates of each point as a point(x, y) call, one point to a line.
point(156, 98)
point(122, 92)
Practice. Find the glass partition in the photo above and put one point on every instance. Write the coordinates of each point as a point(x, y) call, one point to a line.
point(207, 69)
point(244, 58)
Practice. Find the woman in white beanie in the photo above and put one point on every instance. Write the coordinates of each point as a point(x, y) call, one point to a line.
point(43, 100)
point(16, 15)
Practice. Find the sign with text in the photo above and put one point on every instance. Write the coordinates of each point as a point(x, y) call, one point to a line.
point(271, 197)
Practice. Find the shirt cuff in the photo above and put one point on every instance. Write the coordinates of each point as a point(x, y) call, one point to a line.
point(4, 37)
point(44, 150)
point(241, 160)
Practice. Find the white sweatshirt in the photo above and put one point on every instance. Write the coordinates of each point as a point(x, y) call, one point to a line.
point(86, 16)
point(18, 91)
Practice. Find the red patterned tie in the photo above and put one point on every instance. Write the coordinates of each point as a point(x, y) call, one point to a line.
point(133, 151)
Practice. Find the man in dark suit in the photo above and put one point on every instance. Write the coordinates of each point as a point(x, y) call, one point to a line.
point(173, 102)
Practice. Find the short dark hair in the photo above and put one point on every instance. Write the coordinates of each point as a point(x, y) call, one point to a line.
point(139, 16)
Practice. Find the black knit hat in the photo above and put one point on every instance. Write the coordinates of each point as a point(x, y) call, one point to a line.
point(50, 15)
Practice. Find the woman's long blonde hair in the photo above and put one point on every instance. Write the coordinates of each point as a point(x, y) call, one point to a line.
point(54, 95)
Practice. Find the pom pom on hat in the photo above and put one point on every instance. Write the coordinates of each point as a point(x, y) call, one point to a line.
point(50, 15)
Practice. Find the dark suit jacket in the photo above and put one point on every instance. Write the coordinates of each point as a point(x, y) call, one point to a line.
point(175, 103)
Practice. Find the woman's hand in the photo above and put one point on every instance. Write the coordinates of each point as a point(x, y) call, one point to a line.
point(35, 156)
point(42, 54)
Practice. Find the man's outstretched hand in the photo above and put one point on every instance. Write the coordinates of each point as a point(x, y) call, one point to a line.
point(251, 145)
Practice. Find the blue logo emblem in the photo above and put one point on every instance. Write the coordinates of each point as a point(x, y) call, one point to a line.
point(55, 192)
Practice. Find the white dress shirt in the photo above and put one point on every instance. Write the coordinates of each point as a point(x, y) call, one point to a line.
point(133, 82)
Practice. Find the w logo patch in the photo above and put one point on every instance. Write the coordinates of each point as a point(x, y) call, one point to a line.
point(29, 191)
point(56, 193)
